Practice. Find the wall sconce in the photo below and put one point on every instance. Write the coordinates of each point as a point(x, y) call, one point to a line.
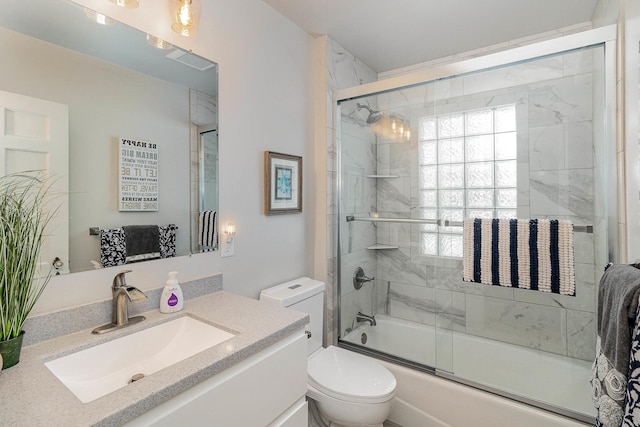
point(129, 4)
point(227, 245)
point(229, 231)
point(186, 16)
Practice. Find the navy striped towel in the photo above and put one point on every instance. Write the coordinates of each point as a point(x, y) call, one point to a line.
point(532, 254)
point(208, 230)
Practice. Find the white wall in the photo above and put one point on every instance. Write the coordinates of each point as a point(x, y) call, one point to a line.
point(607, 12)
point(630, 81)
point(264, 102)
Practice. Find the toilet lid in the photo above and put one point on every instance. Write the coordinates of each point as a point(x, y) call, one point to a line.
point(349, 376)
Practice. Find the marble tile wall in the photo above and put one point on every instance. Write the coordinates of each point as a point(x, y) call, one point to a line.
point(556, 179)
point(203, 108)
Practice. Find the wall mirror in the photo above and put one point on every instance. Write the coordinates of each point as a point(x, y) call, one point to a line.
point(113, 82)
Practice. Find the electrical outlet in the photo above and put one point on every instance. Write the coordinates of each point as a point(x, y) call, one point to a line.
point(227, 247)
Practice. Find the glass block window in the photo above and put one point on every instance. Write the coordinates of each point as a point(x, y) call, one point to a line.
point(468, 169)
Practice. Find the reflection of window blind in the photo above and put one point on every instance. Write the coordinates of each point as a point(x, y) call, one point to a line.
point(468, 169)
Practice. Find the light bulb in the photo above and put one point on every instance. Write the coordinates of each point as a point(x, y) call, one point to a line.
point(185, 14)
point(186, 17)
point(393, 125)
point(229, 231)
point(408, 135)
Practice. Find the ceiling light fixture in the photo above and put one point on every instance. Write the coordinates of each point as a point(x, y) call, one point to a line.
point(186, 16)
point(158, 43)
point(129, 4)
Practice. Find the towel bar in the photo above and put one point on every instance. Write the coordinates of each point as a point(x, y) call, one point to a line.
point(576, 228)
point(401, 220)
point(95, 231)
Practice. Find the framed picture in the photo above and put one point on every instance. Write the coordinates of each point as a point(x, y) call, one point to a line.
point(137, 176)
point(283, 183)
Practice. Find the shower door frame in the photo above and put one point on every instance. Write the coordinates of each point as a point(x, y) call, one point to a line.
point(603, 36)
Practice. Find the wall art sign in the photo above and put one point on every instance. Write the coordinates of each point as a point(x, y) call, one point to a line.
point(137, 175)
point(283, 183)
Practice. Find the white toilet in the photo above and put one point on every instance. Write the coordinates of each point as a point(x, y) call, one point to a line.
point(349, 389)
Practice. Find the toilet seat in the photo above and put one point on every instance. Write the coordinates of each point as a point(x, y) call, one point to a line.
point(347, 376)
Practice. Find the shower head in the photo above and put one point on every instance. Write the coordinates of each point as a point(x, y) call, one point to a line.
point(374, 116)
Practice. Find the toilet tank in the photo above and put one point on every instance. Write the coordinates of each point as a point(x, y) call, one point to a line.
point(305, 295)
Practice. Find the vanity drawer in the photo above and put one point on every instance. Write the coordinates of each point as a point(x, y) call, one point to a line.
point(256, 391)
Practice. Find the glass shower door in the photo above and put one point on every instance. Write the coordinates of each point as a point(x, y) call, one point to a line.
point(522, 141)
point(375, 236)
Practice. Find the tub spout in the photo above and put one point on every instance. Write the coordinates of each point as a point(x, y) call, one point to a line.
point(361, 317)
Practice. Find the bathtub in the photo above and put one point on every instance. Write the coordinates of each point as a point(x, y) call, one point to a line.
point(426, 400)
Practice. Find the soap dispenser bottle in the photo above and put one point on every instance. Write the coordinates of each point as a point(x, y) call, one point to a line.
point(171, 299)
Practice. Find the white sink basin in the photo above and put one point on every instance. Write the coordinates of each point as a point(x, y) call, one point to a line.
point(100, 370)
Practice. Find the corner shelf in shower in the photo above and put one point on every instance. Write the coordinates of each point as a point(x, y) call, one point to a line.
point(382, 176)
point(379, 246)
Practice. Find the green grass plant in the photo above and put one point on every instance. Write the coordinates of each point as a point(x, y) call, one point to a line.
point(24, 216)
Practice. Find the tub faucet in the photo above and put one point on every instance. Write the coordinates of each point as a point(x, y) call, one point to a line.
point(120, 313)
point(359, 278)
point(360, 317)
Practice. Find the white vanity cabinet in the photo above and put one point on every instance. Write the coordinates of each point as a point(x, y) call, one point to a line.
point(266, 389)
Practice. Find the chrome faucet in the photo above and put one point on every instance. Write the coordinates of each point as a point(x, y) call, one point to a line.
point(120, 312)
point(361, 317)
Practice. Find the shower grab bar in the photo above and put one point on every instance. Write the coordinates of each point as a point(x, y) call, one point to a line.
point(447, 223)
point(401, 220)
point(576, 228)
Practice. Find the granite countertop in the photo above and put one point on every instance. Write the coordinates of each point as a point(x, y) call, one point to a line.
point(31, 395)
